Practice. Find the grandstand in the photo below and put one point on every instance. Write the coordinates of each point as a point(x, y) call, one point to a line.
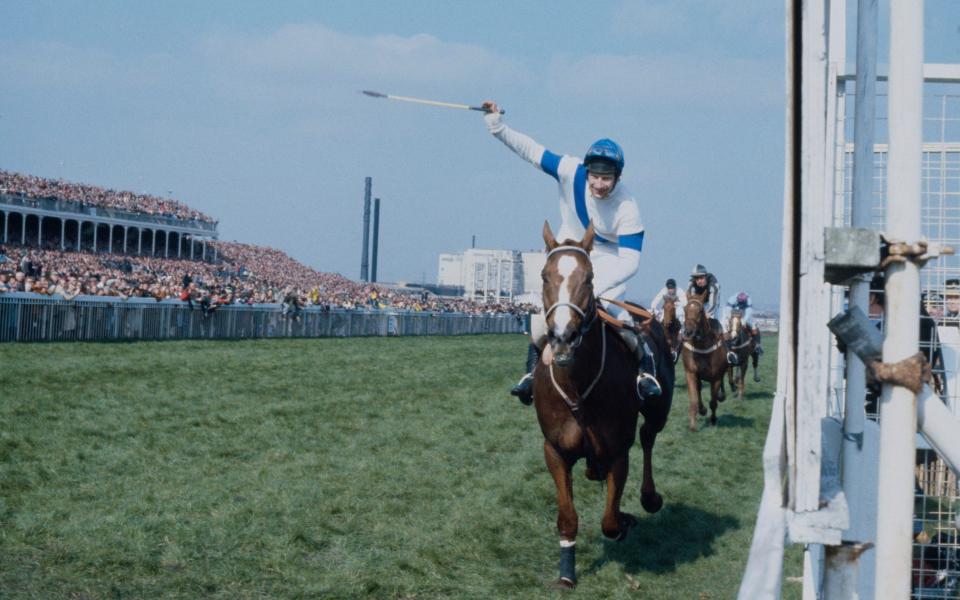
point(67, 240)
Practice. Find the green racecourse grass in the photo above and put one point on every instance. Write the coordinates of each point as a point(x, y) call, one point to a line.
point(340, 468)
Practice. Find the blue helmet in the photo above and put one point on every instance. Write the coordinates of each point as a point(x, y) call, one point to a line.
point(604, 156)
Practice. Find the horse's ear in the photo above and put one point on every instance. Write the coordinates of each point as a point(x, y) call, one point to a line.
point(587, 242)
point(548, 238)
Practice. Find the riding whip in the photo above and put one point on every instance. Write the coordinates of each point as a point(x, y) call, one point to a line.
point(430, 102)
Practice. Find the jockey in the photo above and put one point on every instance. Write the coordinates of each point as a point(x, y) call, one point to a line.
point(702, 281)
point(668, 291)
point(590, 190)
point(742, 303)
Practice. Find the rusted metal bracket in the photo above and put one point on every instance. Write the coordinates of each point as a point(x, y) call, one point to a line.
point(895, 251)
point(851, 252)
point(911, 372)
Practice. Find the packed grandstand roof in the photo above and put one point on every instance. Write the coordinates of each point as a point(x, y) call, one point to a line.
point(242, 273)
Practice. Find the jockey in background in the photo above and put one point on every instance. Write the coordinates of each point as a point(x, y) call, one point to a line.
point(668, 291)
point(703, 281)
point(590, 190)
point(742, 303)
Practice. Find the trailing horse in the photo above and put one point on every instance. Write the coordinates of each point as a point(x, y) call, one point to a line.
point(704, 358)
point(584, 390)
point(671, 326)
point(744, 345)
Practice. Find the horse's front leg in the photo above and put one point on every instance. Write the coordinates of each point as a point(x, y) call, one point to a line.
point(567, 520)
point(615, 524)
point(693, 395)
point(649, 498)
point(716, 395)
point(742, 378)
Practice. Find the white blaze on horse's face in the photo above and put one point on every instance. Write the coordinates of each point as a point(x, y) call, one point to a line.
point(562, 316)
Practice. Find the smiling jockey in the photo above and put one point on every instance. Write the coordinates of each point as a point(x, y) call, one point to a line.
point(590, 190)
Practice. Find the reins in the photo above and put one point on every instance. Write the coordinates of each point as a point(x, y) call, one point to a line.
point(691, 347)
point(575, 406)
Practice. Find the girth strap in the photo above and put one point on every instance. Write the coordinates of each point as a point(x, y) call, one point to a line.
point(695, 350)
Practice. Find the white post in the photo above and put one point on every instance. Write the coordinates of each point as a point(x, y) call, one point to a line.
point(898, 414)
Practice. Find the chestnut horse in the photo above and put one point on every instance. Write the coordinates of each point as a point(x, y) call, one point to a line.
point(584, 390)
point(704, 358)
point(671, 326)
point(743, 344)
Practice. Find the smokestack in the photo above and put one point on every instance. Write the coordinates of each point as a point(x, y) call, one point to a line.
point(473, 241)
point(376, 239)
point(364, 264)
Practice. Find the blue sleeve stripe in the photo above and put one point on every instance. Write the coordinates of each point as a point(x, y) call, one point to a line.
point(579, 199)
point(550, 163)
point(633, 241)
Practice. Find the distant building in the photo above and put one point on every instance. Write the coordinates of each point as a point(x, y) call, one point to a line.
point(493, 275)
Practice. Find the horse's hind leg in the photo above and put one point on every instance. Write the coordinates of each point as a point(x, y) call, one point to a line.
point(756, 374)
point(567, 520)
point(649, 498)
point(742, 378)
point(615, 524)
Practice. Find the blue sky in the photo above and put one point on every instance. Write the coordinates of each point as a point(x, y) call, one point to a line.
point(251, 112)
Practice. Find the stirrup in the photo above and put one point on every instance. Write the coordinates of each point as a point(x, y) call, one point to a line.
point(524, 389)
point(648, 386)
point(732, 358)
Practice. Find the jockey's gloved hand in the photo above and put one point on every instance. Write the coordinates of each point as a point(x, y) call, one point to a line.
point(493, 118)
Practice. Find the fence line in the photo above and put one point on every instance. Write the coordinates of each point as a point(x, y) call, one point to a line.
point(26, 317)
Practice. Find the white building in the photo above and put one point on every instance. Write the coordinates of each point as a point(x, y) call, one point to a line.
point(495, 275)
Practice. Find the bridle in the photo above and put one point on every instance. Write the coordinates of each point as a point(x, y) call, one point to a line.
point(701, 322)
point(585, 322)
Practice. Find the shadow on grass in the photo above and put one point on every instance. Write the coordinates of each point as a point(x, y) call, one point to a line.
point(678, 534)
point(734, 421)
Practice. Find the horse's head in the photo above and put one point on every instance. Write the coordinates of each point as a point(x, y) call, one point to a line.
point(694, 318)
point(568, 293)
point(735, 324)
point(669, 312)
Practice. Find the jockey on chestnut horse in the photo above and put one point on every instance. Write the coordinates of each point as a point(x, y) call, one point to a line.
point(590, 192)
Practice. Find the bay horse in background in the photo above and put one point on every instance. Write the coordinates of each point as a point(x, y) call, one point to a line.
point(585, 394)
point(743, 344)
point(704, 358)
point(671, 326)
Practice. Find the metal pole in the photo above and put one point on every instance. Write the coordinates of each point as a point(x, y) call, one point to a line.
point(898, 409)
point(376, 239)
point(863, 136)
point(364, 264)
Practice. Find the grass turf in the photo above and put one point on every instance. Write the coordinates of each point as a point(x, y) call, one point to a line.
point(339, 468)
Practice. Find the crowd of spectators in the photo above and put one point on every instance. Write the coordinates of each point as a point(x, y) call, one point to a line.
point(243, 274)
point(91, 195)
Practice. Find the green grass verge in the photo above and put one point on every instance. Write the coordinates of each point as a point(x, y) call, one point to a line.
point(339, 468)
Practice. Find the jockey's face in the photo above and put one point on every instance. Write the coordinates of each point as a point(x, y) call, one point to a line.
point(700, 280)
point(601, 184)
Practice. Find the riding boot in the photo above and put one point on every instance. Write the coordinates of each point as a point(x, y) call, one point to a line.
point(647, 384)
point(757, 349)
point(524, 388)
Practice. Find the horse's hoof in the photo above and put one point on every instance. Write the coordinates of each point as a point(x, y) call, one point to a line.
point(756, 378)
point(692, 428)
point(651, 502)
point(702, 410)
point(713, 419)
point(721, 398)
point(566, 583)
